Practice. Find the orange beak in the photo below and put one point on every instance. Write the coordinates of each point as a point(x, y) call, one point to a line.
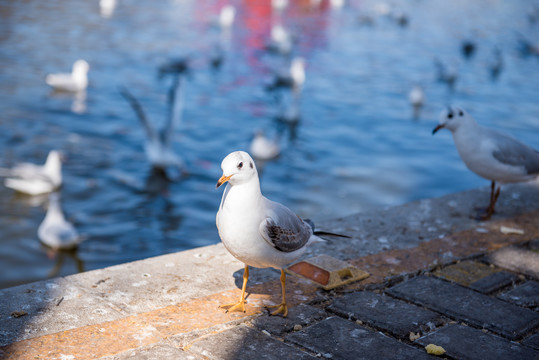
point(222, 180)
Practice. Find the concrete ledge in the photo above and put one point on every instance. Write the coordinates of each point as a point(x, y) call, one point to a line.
point(163, 305)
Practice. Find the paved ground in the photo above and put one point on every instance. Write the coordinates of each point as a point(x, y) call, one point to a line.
point(436, 276)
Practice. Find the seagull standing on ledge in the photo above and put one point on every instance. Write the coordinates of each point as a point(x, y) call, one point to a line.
point(488, 153)
point(257, 231)
point(77, 80)
point(35, 179)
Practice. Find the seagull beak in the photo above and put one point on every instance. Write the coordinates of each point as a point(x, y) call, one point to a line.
point(222, 180)
point(441, 126)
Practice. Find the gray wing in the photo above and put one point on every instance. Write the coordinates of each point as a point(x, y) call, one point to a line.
point(513, 152)
point(284, 230)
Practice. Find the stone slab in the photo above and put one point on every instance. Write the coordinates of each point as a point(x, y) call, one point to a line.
point(154, 283)
point(46, 307)
point(466, 272)
point(336, 338)
point(532, 341)
point(154, 352)
point(517, 259)
point(384, 312)
point(493, 282)
point(301, 315)
point(242, 342)
point(526, 294)
point(464, 342)
point(467, 305)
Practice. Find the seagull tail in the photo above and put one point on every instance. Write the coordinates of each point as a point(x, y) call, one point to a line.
point(324, 233)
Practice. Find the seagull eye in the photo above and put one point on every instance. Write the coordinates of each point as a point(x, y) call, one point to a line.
point(240, 165)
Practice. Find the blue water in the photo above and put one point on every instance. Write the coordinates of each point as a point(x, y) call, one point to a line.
point(357, 146)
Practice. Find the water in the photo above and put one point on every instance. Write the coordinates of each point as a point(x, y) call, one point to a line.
point(356, 147)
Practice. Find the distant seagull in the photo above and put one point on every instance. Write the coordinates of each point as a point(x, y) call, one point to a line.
point(262, 148)
point(76, 81)
point(54, 231)
point(293, 77)
point(158, 146)
point(417, 99)
point(281, 41)
point(35, 179)
point(337, 4)
point(496, 64)
point(107, 7)
point(226, 16)
point(468, 48)
point(490, 154)
point(401, 19)
point(279, 5)
point(177, 66)
point(446, 74)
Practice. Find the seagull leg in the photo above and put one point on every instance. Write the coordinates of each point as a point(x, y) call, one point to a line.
point(240, 305)
point(281, 308)
point(494, 194)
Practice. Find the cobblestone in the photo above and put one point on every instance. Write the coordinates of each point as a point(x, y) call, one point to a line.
point(526, 294)
point(464, 342)
point(382, 311)
point(336, 338)
point(467, 305)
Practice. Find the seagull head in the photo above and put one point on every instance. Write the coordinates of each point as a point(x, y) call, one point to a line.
point(81, 67)
point(451, 118)
point(238, 168)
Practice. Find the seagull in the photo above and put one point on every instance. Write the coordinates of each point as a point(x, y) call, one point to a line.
point(293, 77)
point(280, 41)
point(74, 82)
point(446, 74)
point(416, 98)
point(279, 5)
point(490, 154)
point(158, 146)
point(54, 231)
point(226, 16)
point(263, 148)
point(255, 230)
point(107, 7)
point(35, 179)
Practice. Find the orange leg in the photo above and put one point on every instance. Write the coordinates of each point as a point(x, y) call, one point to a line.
point(281, 308)
point(240, 305)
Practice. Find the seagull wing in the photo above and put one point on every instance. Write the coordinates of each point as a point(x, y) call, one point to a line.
point(284, 230)
point(510, 151)
point(175, 104)
point(135, 104)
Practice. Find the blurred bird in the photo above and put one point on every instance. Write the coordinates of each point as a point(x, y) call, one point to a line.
point(257, 231)
point(446, 74)
point(468, 48)
point(77, 80)
point(35, 179)
point(262, 148)
point(293, 77)
point(279, 5)
point(226, 16)
point(281, 41)
point(107, 7)
point(177, 66)
point(490, 154)
point(54, 231)
point(496, 63)
point(158, 146)
point(417, 99)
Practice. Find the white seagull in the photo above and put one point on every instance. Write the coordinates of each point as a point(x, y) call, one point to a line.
point(76, 81)
point(226, 16)
point(263, 148)
point(416, 96)
point(55, 231)
point(257, 231)
point(35, 179)
point(490, 154)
